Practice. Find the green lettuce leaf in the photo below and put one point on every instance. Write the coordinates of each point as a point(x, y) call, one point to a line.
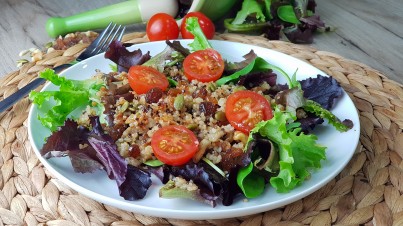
point(250, 8)
point(200, 41)
point(72, 94)
point(318, 110)
point(298, 152)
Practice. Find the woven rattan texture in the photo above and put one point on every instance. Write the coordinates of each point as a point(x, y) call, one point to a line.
point(367, 192)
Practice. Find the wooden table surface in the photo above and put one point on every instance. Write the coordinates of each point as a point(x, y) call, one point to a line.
point(368, 31)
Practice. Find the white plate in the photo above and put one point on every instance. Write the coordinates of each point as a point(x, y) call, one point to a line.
point(341, 147)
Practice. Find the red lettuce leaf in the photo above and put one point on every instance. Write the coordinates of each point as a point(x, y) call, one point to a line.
point(210, 190)
point(177, 46)
point(212, 185)
point(232, 67)
point(230, 188)
point(323, 90)
point(196, 173)
point(314, 21)
point(273, 31)
point(119, 54)
point(66, 142)
point(83, 162)
point(309, 123)
point(114, 164)
point(255, 79)
point(68, 137)
point(136, 184)
point(91, 150)
point(299, 34)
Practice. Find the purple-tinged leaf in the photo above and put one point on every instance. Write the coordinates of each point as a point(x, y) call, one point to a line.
point(311, 5)
point(299, 34)
point(257, 78)
point(323, 90)
point(83, 163)
point(177, 46)
point(114, 164)
point(309, 123)
point(196, 173)
point(68, 137)
point(136, 184)
point(232, 67)
point(160, 172)
point(170, 191)
point(313, 21)
point(273, 32)
point(119, 54)
point(66, 142)
point(230, 189)
point(107, 152)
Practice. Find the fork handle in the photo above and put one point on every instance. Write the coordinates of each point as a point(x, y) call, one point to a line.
point(24, 91)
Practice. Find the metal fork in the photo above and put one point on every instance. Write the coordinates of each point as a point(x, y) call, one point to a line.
point(100, 44)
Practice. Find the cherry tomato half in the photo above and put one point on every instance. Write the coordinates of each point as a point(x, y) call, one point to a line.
point(205, 23)
point(162, 26)
point(174, 145)
point(244, 109)
point(143, 78)
point(203, 65)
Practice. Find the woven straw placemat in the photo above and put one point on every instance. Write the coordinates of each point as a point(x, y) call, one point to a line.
point(367, 192)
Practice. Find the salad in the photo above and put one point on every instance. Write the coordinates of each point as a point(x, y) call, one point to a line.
point(211, 130)
point(294, 21)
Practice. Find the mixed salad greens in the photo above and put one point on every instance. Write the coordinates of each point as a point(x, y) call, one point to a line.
point(280, 151)
point(278, 19)
point(291, 20)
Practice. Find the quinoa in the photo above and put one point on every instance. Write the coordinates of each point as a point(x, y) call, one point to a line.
point(141, 119)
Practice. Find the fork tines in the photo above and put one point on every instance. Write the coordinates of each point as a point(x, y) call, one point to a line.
point(112, 32)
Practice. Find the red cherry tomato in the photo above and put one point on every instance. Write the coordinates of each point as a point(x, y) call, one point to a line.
point(203, 65)
point(206, 25)
point(143, 78)
point(244, 109)
point(162, 26)
point(174, 145)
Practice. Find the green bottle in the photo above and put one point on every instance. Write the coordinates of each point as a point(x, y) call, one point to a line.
point(124, 13)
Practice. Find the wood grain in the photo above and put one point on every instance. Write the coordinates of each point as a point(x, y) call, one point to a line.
point(367, 31)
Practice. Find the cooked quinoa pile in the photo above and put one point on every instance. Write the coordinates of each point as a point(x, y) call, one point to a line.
point(198, 106)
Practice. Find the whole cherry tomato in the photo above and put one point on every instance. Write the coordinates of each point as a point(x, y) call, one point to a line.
point(206, 25)
point(162, 26)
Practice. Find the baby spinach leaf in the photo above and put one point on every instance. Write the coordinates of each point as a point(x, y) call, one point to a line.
point(286, 13)
point(250, 182)
point(257, 65)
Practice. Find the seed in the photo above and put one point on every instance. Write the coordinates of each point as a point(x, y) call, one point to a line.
point(192, 126)
point(220, 116)
point(179, 102)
